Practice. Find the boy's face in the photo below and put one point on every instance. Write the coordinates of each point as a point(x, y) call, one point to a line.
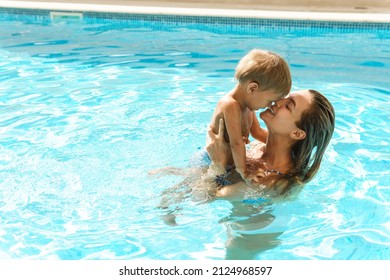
point(262, 98)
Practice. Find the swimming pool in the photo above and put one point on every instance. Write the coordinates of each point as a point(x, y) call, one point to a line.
point(89, 107)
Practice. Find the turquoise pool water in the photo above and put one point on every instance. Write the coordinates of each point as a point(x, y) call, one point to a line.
point(88, 108)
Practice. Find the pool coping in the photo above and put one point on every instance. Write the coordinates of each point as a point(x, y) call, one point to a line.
point(208, 12)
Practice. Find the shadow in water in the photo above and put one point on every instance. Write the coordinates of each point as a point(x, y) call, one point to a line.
point(248, 233)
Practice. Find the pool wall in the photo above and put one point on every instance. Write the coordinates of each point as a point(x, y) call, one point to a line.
point(217, 24)
point(221, 10)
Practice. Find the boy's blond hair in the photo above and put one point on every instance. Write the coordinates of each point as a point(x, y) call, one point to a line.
point(267, 69)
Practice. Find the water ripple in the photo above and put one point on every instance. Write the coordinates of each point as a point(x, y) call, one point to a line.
point(81, 126)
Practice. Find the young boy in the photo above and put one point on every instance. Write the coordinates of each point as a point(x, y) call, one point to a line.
point(263, 77)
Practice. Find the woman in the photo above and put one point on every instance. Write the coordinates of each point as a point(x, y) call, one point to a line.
point(299, 130)
point(300, 127)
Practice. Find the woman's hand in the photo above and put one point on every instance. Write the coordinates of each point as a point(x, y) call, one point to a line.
point(218, 149)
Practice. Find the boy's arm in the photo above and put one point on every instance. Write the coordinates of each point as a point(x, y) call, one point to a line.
point(257, 132)
point(232, 116)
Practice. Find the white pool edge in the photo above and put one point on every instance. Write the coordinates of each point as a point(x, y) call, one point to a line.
point(240, 13)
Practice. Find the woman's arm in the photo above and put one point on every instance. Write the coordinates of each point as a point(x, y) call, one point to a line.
point(218, 149)
point(220, 153)
point(232, 122)
point(234, 192)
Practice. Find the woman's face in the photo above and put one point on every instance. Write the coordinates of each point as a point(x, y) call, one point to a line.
point(282, 117)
